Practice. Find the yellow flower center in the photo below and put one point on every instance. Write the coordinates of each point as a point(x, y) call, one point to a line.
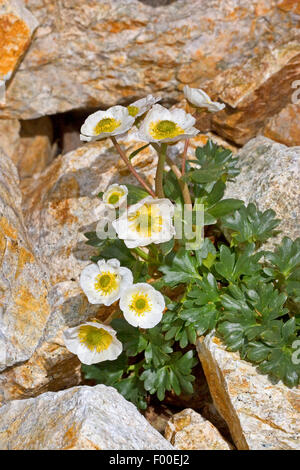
point(147, 220)
point(140, 303)
point(106, 282)
point(165, 130)
point(114, 197)
point(133, 110)
point(106, 125)
point(95, 339)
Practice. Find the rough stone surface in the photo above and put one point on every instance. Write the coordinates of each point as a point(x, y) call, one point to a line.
point(260, 415)
point(9, 135)
point(254, 92)
point(270, 177)
point(24, 307)
point(284, 127)
point(28, 144)
point(52, 367)
point(16, 27)
point(136, 47)
point(93, 418)
point(188, 430)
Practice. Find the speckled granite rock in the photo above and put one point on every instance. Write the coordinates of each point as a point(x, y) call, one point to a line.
point(284, 127)
point(130, 49)
point(259, 414)
point(270, 177)
point(254, 92)
point(24, 307)
point(93, 418)
point(188, 430)
point(16, 27)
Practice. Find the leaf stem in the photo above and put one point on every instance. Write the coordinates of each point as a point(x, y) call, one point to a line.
point(131, 168)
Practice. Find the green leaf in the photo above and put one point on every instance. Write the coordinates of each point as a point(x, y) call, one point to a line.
point(158, 349)
point(175, 375)
point(284, 268)
point(135, 194)
point(224, 207)
point(132, 339)
point(232, 267)
point(215, 163)
point(167, 247)
point(206, 255)
point(107, 372)
point(93, 240)
point(136, 152)
point(171, 187)
point(183, 269)
point(132, 388)
point(248, 225)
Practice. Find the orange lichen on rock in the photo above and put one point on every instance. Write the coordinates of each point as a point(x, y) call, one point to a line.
point(290, 5)
point(14, 40)
point(6, 229)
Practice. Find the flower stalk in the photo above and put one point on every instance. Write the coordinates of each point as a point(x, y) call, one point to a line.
point(183, 185)
point(162, 154)
point(184, 155)
point(130, 167)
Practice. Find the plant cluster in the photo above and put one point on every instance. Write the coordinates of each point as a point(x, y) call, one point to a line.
point(166, 291)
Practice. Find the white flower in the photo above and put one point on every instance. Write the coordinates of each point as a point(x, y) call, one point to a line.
point(93, 342)
point(200, 99)
point(142, 305)
point(115, 195)
point(148, 221)
point(104, 282)
point(140, 107)
point(164, 125)
point(113, 121)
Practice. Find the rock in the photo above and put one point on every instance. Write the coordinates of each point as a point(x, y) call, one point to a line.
point(10, 136)
point(284, 127)
point(52, 367)
point(28, 144)
point(290, 5)
point(158, 416)
point(92, 418)
point(188, 430)
point(16, 27)
point(24, 307)
point(34, 151)
point(270, 177)
point(260, 415)
point(254, 92)
point(130, 50)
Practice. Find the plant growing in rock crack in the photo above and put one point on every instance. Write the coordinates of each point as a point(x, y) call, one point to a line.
point(178, 261)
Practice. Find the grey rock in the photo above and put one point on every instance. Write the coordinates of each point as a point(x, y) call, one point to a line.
point(270, 178)
point(97, 418)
